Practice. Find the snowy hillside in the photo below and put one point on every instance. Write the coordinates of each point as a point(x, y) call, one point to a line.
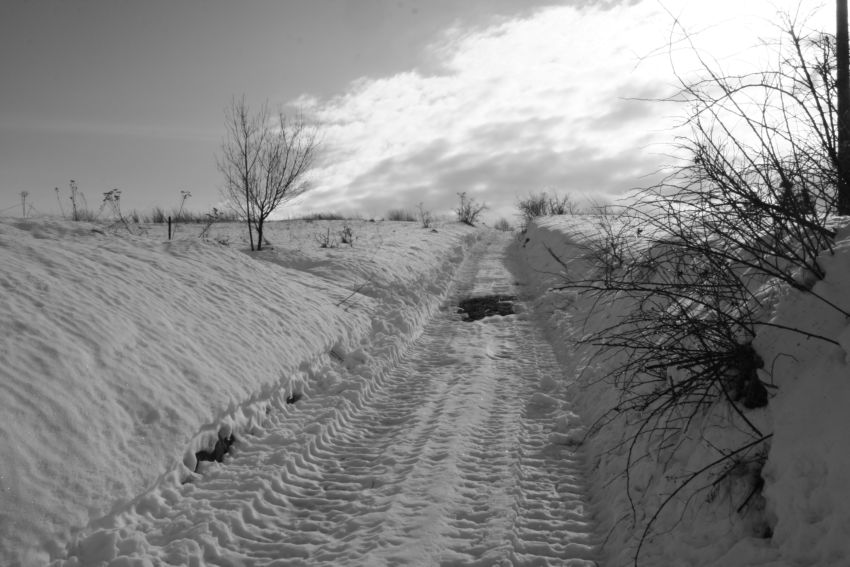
point(122, 355)
point(802, 515)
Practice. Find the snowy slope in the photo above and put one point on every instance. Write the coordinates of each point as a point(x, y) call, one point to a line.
point(804, 518)
point(123, 355)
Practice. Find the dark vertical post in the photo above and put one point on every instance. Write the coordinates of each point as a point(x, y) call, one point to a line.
point(842, 85)
point(169, 228)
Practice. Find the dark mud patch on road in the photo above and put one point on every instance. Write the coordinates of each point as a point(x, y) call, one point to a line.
point(475, 308)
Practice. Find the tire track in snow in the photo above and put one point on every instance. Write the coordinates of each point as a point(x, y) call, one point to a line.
point(445, 460)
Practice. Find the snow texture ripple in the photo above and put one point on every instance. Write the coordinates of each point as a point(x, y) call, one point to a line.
point(447, 458)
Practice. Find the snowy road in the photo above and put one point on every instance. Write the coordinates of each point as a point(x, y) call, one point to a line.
point(448, 458)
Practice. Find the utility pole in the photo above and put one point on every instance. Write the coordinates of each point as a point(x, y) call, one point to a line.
point(842, 59)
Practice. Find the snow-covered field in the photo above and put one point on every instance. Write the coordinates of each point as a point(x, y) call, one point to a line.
point(124, 356)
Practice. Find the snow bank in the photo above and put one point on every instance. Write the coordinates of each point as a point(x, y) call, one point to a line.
point(807, 489)
point(803, 515)
point(123, 355)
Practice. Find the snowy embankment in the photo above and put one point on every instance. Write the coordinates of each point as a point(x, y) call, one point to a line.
point(802, 515)
point(125, 355)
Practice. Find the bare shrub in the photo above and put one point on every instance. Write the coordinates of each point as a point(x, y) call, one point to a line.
point(683, 349)
point(503, 224)
point(213, 217)
point(532, 207)
point(426, 219)
point(326, 240)
point(560, 205)
point(346, 235)
point(469, 210)
point(542, 204)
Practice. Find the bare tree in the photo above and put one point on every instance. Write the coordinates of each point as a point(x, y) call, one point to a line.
point(264, 160)
point(469, 210)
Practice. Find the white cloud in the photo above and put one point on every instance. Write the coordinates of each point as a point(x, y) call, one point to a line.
point(551, 101)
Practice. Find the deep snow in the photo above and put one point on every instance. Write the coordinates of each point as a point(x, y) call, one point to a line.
point(123, 355)
point(805, 509)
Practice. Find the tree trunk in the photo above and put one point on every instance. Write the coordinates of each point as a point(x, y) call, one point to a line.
point(842, 55)
point(246, 183)
point(259, 226)
point(250, 229)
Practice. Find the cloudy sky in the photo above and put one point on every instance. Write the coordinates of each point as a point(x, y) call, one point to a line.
point(418, 99)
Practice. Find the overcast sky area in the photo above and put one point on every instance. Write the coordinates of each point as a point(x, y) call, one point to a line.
point(418, 99)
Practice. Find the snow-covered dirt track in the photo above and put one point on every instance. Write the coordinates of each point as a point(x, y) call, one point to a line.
point(449, 457)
